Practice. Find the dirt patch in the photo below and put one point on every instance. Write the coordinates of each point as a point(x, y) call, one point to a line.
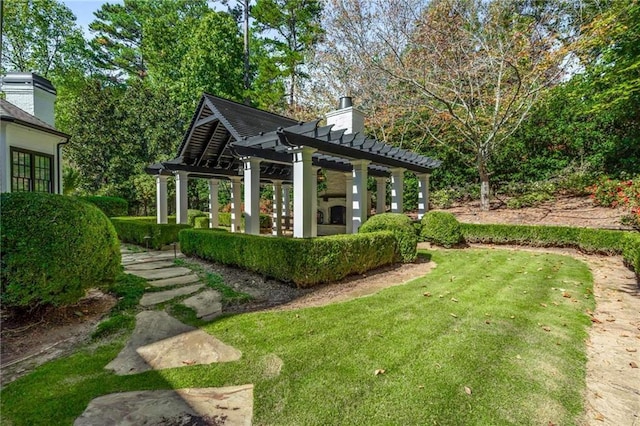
point(564, 211)
point(31, 339)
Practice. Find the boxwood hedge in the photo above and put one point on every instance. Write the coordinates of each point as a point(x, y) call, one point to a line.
point(110, 206)
point(401, 227)
point(53, 248)
point(302, 261)
point(144, 230)
point(588, 240)
point(441, 228)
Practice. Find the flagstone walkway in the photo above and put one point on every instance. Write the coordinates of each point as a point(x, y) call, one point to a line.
point(160, 341)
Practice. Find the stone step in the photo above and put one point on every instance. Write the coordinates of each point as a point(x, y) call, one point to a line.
point(157, 274)
point(149, 257)
point(207, 304)
point(150, 299)
point(161, 341)
point(146, 266)
point(168, 282)
point(232, 406)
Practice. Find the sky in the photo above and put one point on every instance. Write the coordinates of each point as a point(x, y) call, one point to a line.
point(83, 9)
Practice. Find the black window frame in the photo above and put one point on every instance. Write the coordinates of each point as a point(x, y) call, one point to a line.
point(32, 169)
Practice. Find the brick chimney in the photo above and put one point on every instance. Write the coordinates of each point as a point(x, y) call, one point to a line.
point(346, 117)
point(31, 93)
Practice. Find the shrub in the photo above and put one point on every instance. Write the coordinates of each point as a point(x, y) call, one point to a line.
point(192, 215)
point(224, 219)
point(53, 248)
point(585, 239)
point(631, 251)
point(110, 206)
point(441, 228)
point(201, 222)
point(401, 227)
point(145, 230)
point(302, 261)
point(531, 199)
point(442, 198)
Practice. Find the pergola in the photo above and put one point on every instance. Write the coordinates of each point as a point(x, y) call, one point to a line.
point(228, 140)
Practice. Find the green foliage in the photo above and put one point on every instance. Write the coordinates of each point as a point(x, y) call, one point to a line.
point(586, 239)
point(216, 282)
point(529, 200)
point(304, 262)
point(631, 251)
point(110, 206)
point(402, 229)
point(193, 214)
point(53, 248)
point(224, 219)
point(291, 28)
point(128, 289)
point(145, 231)
point(441, 228)
point(41, 36)
point(201, 222)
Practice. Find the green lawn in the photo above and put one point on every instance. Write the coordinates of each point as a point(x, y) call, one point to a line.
point(496, 322)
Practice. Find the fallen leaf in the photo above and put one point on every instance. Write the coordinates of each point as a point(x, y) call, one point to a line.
point(467, 390)
point(518, 357)
point(565, 294)
point(427, 294)
point(453, 315)
point(633, 364)
point(539, 269)
point(551, 424)
point(189, 362)
point(453, 299)
point(546, 328)
point(596, 320)
point(512, 316)
point(378, 372)
point(611, 319)
point(487, 322)
point(624, 335)
point(421, 387)
point(632, 350)
point(544, 305)
point(555, 304)
point(597, 395)
point(599, 417)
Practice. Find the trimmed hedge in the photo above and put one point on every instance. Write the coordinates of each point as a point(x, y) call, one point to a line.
point(224, 219)
point(302, 261)
point(588, 240)
point(110, 206)
point(441, 228)
point(193, 214)
point(401, 227)
point(53, 248)
point(135, 229)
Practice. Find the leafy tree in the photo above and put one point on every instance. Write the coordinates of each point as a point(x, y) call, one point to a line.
point(117, 132)
point(41, 36)
point(295, 25)
point(477, 66)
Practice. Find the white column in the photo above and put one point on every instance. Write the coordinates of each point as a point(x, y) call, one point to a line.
point(251, 195)
point(359, 191)
point(314, 203)
point(397, 189)
point(286, 205)
point(236, 203)
point(161, 199)
point(381, 195)
point(348, 177)
point(303, 181)
point(423, 194)
point(276, 218)
point(213, 203)
point(181, 197)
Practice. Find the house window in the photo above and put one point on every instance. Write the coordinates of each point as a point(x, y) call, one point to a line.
point(31, 171)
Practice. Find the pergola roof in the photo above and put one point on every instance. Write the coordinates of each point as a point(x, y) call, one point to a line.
point(223, 131)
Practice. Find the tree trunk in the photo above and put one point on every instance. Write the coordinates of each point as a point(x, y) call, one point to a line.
point(485, 194)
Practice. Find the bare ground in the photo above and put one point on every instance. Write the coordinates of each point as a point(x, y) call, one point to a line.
point(613, 383)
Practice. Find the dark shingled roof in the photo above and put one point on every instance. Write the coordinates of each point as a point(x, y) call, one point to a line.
point(10, 112)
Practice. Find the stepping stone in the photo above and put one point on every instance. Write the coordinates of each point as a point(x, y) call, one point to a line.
point(207, 304)
point(156, 274)
point(184, 279)
point(148, 257)
point(150, 299)
point(157, 331)
point(143, 266)
point(228, 406)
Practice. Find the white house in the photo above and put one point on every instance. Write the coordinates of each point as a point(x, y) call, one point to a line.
point(30, 146)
